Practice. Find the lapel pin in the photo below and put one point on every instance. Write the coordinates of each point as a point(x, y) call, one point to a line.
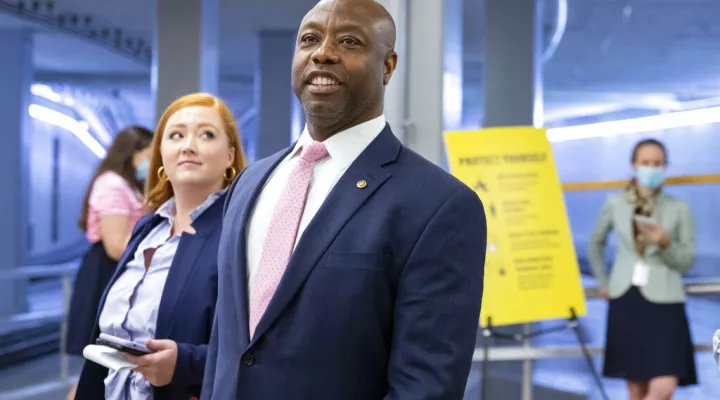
point(361, 184)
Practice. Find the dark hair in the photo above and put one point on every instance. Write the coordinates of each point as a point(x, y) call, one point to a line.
point(119, 160)
point(648, 142)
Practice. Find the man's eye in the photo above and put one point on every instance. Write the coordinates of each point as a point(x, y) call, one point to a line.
point(309, 39)
point(349, 41)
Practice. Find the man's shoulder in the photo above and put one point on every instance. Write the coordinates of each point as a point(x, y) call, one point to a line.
point(260, 166)
point(418, 170)
point(264, 163)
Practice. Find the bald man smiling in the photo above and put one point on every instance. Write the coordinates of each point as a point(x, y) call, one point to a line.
point(350, 268)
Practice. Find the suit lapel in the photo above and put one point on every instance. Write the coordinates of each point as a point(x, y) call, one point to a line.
point(184, 264)
point(181, 269)
point(128, 254)
point(245, 199)
point(626, 218)
point(341, 204)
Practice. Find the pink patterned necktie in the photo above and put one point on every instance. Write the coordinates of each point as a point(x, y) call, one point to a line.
point(280, 239)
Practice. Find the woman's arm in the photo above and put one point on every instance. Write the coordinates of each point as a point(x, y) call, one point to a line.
point(598, 239)
point(115, 235)
point(110, 199)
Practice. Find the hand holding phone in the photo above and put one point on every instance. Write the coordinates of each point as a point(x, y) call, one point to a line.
point(653, 231)
point(122, 345)
point(643, 220)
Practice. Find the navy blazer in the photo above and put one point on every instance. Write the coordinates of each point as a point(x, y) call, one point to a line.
point(380, 299)
point(186, 308)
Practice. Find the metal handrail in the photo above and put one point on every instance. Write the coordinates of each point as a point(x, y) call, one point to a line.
point(66, 272)
point(521, 353)
point(693, 286)
point(39, 271)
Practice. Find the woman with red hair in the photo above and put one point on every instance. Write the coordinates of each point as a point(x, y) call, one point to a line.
point(162, 296)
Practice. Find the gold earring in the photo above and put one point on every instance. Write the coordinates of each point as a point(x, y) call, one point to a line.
point(161, 174)
point(232, 174)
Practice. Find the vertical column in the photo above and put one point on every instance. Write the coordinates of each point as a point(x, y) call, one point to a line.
point(273, 91)
point(513, 83)
point(425, 70)
point(513, 66)
point(395, 92)
point(453, 56)
point(15, 80)
point(186, 50)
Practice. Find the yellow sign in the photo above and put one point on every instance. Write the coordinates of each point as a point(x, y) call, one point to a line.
point(531, 270)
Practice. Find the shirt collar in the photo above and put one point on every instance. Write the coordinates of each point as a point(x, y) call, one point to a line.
point(168, 209)
point(345, 146)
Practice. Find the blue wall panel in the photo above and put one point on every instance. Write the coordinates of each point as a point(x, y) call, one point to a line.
point(61, 201)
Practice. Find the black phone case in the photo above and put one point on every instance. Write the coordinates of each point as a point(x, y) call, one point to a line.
point(120, 348)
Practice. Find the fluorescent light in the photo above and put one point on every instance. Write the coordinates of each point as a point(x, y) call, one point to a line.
point(48, 93)
point(94, 122)
point(583, 111)
point(45, 92)
point(70, 124)
point(680, 119)
point(560, 25)
point(452, 100)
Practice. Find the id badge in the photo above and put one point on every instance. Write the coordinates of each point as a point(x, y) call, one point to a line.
point(641, 273)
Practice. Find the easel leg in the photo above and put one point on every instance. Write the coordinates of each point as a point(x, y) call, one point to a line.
point(484, 381)
point(527, 367)
point(575, 325)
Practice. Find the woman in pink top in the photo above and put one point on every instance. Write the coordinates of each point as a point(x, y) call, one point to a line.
point(113, 204)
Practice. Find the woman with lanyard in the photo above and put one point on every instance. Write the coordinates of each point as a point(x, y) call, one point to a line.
point(648, 341)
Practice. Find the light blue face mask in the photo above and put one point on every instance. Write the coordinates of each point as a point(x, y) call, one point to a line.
point(651, 177)
point(143, 170)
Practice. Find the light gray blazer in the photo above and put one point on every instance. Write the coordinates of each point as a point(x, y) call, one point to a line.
point(666, 267)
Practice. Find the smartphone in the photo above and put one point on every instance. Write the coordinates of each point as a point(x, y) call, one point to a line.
point(126, 346)
point(645, 220)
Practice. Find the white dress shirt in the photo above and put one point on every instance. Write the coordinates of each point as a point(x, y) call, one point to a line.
point(343, 148)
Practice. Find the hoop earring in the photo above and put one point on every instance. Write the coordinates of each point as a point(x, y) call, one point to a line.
point(232, 174)
point(161, 174)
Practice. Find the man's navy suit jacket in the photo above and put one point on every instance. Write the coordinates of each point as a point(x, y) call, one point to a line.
point(380, 299)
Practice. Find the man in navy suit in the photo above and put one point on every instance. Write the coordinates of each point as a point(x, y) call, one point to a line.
point(349, 266)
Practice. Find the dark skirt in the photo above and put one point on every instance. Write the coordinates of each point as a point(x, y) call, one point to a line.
point(646, 340)
point(93, 276)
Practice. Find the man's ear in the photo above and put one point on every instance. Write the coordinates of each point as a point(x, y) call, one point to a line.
point(391, 60)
